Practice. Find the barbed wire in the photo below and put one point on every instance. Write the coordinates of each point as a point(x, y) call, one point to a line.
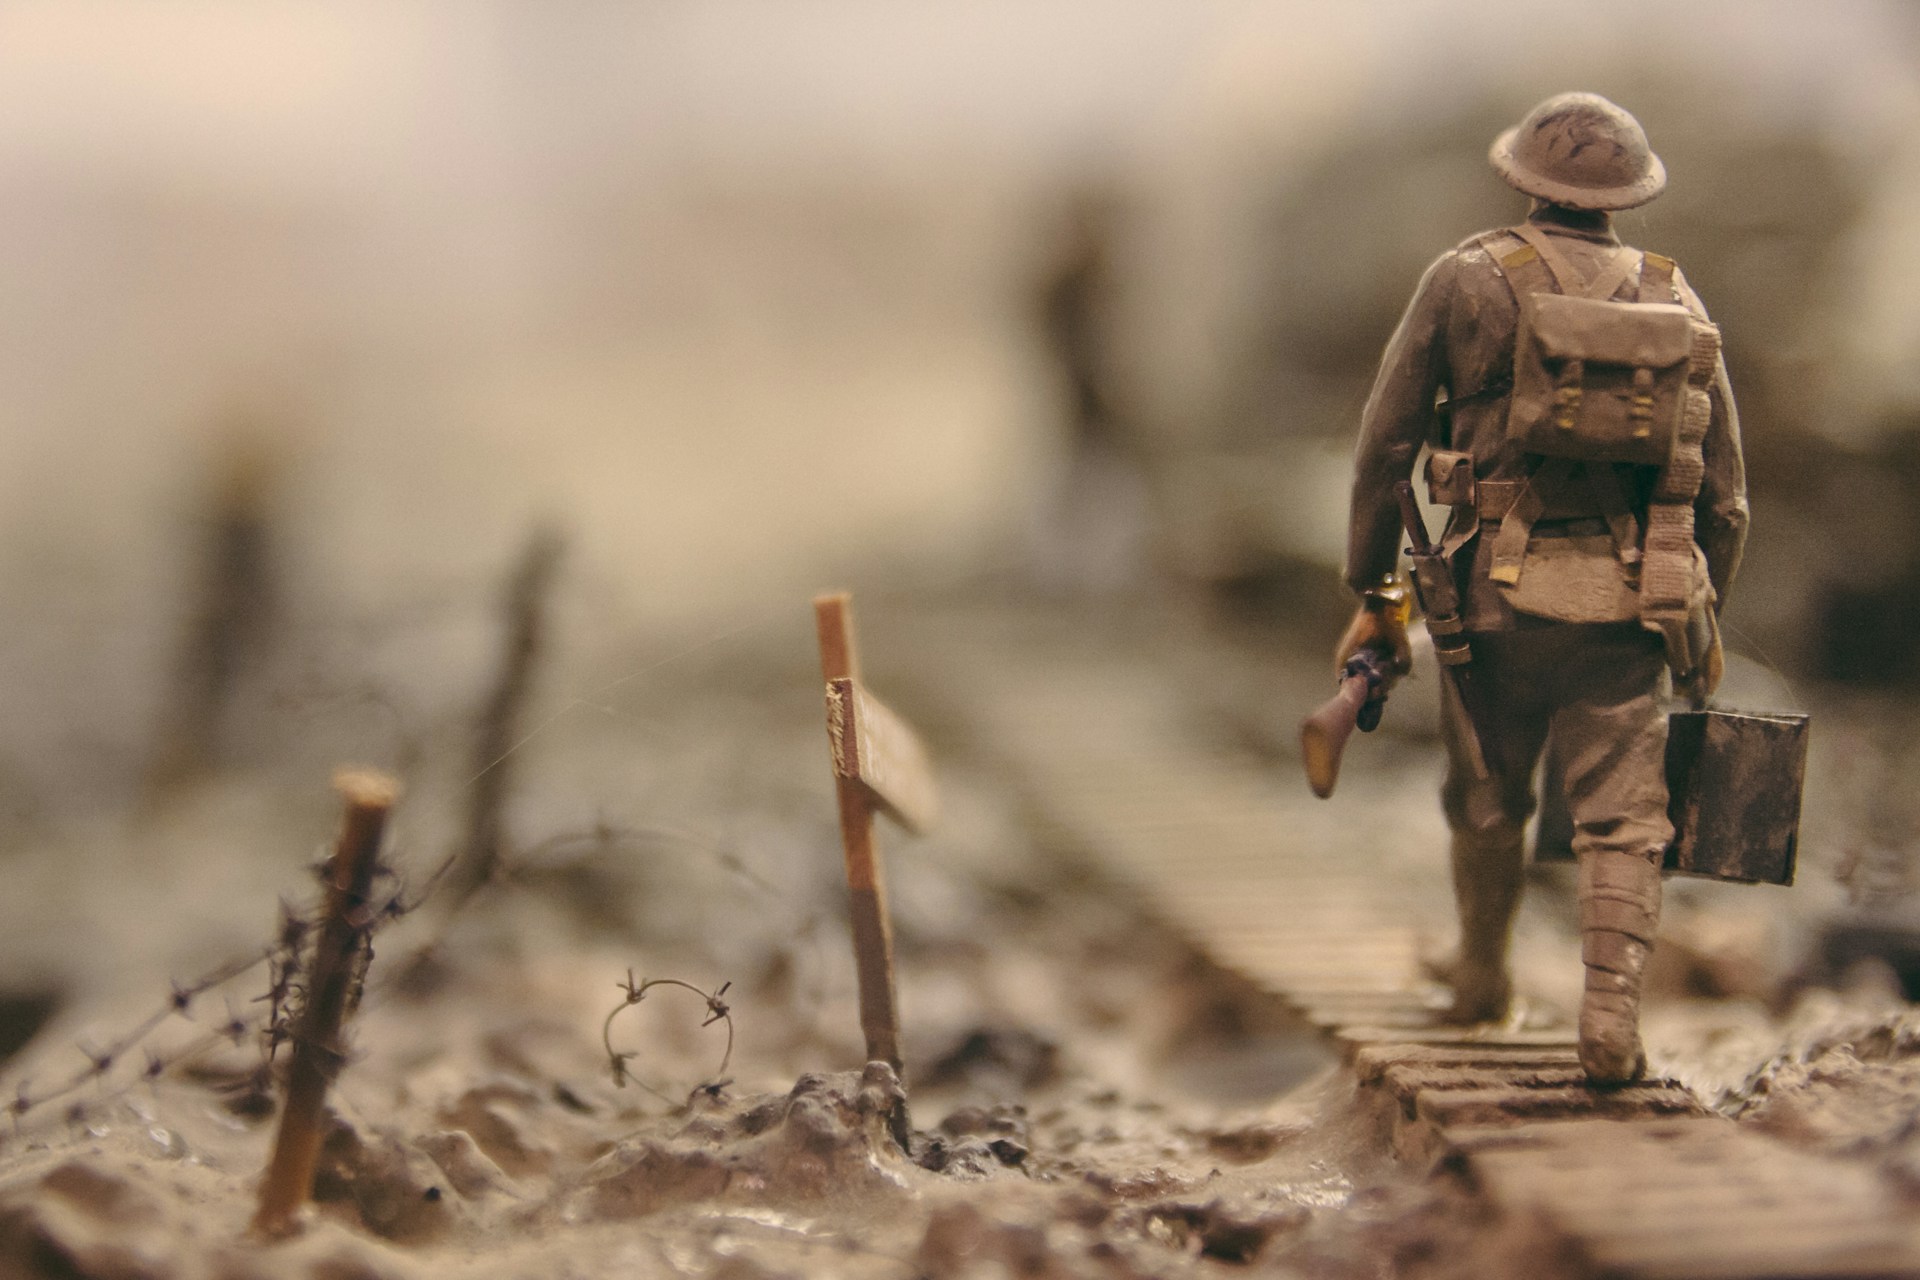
point(102, 1079)
point(635, 991)
point(285, 959)
point(234, 1029)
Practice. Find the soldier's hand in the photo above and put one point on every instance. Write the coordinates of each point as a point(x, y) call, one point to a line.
point(1716, 665)
point(1704, 679)
point(1380, 624)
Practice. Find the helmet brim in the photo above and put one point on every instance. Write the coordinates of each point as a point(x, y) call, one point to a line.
point(1521, 178)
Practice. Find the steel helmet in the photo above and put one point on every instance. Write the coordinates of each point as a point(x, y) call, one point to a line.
point(1579, 151)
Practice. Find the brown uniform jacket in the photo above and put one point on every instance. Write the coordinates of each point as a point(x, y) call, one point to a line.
point(1443, 381)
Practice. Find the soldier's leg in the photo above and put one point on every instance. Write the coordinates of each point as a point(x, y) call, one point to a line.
point(1619, 914)
point(1488, 818)
point(1612, 735)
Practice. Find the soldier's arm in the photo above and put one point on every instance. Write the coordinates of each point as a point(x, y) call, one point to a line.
point(1720, 510)
point(1398, 419)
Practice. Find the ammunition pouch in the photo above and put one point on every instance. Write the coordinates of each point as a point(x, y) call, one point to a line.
point(1450, 481)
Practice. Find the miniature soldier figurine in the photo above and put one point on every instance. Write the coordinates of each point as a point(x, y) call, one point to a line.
point(1581, 432)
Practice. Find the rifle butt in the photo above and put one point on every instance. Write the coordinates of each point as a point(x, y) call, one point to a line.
point(1324, 734)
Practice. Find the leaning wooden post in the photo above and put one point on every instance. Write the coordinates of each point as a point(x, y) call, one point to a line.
point(878, 763)
point(317, 1047)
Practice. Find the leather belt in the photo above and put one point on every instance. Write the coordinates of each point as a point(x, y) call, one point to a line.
point(1494, 498)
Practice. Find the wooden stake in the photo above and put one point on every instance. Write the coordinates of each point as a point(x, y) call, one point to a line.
point(232, 621)
point(317, 1048)
point(498, 730)
point(872, 929)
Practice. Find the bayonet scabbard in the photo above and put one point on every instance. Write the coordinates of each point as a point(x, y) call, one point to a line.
point(1439, 596)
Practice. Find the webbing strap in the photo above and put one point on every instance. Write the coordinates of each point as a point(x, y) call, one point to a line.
point(1463, 525)
point(1506, 248)
point(1625, 262)
point(1666, 580)
point(1564, 276)
point(1666, 575)
point(1536, 266)
point(1604, 479)
point(1656, 278)
point(1567, 277)
point(1527, 269)
point(1463, 521)
point(1516, 527)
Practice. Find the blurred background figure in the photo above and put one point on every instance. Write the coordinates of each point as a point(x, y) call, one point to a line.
point(1093, 528)
point(232, 599)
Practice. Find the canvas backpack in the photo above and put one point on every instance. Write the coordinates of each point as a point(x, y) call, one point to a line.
point(1598, 383)
point(1595, 379)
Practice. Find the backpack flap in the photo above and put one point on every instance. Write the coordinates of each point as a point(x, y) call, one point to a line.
point(1653, 335)
point(1600, 381)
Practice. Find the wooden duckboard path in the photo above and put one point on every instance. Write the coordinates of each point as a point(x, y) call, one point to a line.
point(1640, 1181)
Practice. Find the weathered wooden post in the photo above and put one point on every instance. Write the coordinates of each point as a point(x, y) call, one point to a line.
point(498, 731)
point(878, 763)
point(317, 1048)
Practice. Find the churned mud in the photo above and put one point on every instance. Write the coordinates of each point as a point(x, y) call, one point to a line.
point(1084, 1093)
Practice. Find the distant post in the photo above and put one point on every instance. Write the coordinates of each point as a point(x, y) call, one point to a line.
point(878, 764)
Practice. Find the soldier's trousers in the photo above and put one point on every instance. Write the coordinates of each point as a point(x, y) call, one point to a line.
point(1598, 690)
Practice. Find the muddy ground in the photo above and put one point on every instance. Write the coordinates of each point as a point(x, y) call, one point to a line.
point(1085, 1094)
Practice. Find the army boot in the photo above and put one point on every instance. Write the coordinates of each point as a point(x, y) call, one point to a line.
point(1619, 912)
point(1487, 869)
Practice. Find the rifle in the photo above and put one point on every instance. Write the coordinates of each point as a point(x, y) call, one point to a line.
point(1324, 734)
point(1439, 597)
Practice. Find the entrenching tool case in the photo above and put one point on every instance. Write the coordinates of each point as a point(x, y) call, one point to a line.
point(1734, 780)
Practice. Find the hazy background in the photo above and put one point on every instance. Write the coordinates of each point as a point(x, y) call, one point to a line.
point(748, 298)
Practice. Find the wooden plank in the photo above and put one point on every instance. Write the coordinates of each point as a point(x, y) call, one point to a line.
point(1209, 851)
point(1374, 1061)
point(1500, 1037)
point(1782, 1249)
point(1406, 1080)
point(875, 747)
point(1484, 1107)
point(1414, 1018)
point(1373, 1008)
point(1593, 1141)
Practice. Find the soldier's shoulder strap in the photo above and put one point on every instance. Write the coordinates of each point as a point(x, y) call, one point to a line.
point(1520, 261)
point(1518, 265)
point(1499, 245)
point(1656, 278)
